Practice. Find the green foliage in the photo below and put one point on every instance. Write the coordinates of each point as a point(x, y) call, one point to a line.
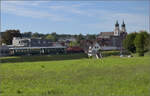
point(42, 58)
point(91, 36)
point(146, 54)
point(146, 38)
point(128, 43)
point(35, 35)
point(137, 42)
point(110, 53)
point(73, 44)
point(79, 38)
point(55, 36)
point(27, 34)
point(49, 36)
point(142, 42)
point(38, 35)
point(8, 35)
point(110, 76)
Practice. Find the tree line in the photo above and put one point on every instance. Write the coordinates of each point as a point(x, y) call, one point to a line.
point(137, 42)
point(7, 36)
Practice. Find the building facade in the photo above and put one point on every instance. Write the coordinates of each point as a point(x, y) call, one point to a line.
point(113, 40)
point(31, 42)
point(4, 50)
point(94, 49)
point(35, 46)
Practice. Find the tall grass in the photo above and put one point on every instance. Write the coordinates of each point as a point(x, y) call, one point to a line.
point(111, 76)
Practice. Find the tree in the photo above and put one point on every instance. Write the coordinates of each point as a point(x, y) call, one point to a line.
point(36, 35)
point(141, 42)
point(55, 36)
point(27, 34)
point(91, 36)
point(73, 43)
point(8, 35)
point(128, 43)
point(79, 38)
point(146, 40)
point(49, 36)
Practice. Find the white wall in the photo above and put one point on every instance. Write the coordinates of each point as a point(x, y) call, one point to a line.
point(109, 48)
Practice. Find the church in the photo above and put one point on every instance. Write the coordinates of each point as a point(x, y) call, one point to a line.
point(113, 40)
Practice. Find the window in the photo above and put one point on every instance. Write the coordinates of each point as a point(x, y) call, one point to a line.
point(44, 42)
point(96, 47)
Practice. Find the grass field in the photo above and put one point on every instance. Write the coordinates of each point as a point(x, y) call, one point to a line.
point(112, 76)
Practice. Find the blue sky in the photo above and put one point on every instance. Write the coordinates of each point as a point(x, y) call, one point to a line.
point(74, 17)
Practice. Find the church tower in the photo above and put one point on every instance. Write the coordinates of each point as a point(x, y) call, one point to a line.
point(117, 30)
point(123, 27)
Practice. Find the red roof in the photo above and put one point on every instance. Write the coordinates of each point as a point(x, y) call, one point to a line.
point(74, 49)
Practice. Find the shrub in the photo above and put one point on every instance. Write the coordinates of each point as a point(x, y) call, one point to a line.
point(110, 53)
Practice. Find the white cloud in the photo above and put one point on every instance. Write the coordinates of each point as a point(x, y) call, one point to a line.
point(56, 7)
point(25, 12)
point(24, 3)
point(105, 17)
point(135, 22)
point(68, 9)
point(20, 8)
point(37, 3)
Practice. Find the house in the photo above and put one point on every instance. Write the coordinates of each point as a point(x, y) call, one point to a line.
point(67, 40)
point(94, 50)
point(84, 44)
point(70, 39)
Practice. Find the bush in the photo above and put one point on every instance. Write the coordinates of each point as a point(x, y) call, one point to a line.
point(43, 58)
point(126, 52)
point(141, 53)
point(110, 53)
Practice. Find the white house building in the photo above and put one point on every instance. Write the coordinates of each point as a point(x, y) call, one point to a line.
point(94, 50)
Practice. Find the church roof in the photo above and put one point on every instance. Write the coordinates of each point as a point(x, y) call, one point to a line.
point(106, 33)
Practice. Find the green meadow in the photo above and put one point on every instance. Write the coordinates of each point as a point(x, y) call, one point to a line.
point(71, 75)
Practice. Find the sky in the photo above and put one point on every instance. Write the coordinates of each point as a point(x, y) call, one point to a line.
point(74, 17)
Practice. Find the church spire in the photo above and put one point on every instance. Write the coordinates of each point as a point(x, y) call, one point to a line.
point(123, 24)
point(117, 30)
point(123, 27)
point(117, 24)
